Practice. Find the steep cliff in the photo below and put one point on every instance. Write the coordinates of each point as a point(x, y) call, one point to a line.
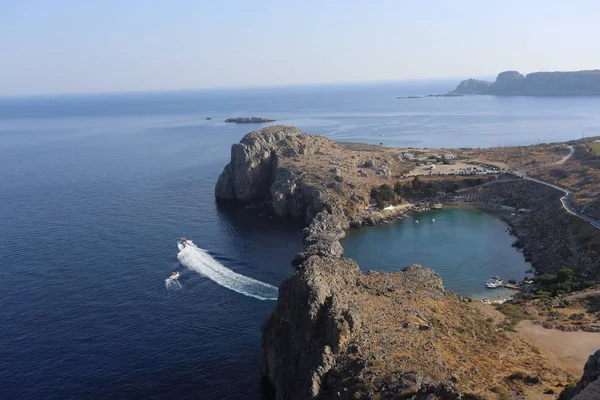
point(294, 174)
point(337, 333)
point(574, 83)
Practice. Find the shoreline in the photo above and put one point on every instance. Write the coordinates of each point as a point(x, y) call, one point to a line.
point(496, 213)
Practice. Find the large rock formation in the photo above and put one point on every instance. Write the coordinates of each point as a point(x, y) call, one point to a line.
point(297, 175)
point(588, 387)
point(473, 86)
point(337, 333)
point(256, 173)
point(575, 83)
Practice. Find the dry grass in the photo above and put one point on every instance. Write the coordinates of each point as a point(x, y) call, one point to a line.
point(405, 330)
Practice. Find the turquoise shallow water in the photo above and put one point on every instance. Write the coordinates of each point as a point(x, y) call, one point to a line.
point(464, 246)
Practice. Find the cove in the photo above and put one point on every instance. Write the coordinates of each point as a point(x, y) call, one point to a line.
point(464, 246)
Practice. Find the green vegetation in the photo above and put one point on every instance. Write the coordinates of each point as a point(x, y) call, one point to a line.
point(513, 313)
point(525, 377)
point(382, 194)
point(595, 147)
point(564, 281)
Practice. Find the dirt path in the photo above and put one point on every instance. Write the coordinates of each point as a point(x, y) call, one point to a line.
point(582, 295)
point(571, 349)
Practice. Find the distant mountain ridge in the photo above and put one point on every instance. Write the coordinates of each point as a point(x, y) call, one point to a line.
point(512, 83)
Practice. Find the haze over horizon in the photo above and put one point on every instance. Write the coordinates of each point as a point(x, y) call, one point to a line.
point(65, 46)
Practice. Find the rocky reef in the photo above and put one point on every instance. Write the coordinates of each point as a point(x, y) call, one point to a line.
point(512, 83)
point(249, 120)
point(339, 333)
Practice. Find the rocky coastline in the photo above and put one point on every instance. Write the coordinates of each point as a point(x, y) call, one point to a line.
point(249, 120)
point(337, 333)
point(512, 83)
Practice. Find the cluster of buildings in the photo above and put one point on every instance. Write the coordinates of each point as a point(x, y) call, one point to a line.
point(411, 156)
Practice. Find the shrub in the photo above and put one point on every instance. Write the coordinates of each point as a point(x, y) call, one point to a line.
point(512, 312)
point(374, 363)
point(577, 316)
point(502, 393)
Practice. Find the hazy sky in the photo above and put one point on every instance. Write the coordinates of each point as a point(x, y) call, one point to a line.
point(61, 46)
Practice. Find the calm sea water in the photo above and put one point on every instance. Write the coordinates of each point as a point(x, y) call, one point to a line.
point(94, 191)
point(464, 246)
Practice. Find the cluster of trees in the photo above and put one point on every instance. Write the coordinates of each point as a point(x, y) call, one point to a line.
point(563, 281)
point(383, 194)
point(418, 189)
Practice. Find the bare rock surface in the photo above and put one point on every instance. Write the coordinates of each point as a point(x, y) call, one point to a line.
point(588, 387)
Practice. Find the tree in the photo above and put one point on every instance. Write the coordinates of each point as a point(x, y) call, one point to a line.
point(386, 192)
point(565, 275)
point(399, 188)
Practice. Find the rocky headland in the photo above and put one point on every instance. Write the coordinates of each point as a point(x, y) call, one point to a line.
point(249, 120)
point(512, 83)
point(339, 333)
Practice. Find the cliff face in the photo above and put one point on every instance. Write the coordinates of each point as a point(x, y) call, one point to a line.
point(588, 387)
point(337, 333)
point(297, 175)
point(576, 83)
point(256, 173)
point(320, 314)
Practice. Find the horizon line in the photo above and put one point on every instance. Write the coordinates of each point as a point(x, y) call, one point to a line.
point(241, 87)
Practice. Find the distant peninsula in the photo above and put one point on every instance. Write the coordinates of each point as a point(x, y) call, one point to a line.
point(249, 120)
point(512, 83)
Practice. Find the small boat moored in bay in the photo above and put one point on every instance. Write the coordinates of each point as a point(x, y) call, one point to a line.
point(493, 283)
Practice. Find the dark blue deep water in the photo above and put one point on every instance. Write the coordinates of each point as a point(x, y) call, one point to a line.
point(94, 191)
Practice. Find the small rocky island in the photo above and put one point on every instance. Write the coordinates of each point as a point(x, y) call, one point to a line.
point(249, 120)
point(339, 333)
point(512, 83)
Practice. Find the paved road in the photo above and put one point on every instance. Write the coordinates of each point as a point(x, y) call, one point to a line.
point(568, 195)
point(565, 200)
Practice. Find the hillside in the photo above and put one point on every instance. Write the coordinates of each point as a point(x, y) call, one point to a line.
point(512, 83)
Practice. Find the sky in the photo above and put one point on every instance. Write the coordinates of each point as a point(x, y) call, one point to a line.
point(73, 46)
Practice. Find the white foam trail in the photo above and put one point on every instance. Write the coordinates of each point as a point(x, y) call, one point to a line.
point(172, 284)
point(198, 260)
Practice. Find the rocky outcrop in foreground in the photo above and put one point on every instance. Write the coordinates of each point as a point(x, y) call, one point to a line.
point(588, 387)
point(575, 83)
point(249, 120)
point(337, 333)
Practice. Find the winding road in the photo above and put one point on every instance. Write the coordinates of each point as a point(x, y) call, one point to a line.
point(564, 200)
point(568, 195)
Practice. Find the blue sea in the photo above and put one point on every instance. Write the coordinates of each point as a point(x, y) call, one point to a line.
point(96, 189)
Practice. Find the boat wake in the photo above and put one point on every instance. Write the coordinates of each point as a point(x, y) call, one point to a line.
point(172, 284)
point(198, 260)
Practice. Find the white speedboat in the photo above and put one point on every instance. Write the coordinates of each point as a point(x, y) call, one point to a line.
point(174, 276)
point(183, 243)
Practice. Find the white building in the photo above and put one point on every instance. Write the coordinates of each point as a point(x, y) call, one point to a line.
point(449, 156)
point(408, 156)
